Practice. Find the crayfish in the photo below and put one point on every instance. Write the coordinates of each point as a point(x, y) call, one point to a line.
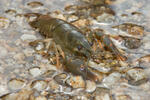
point(75, 47)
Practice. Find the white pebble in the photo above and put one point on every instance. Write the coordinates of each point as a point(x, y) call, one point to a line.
point(28, 37)
point(35, 72)
point(90, 86)
point(110, 80)
point(3, 52)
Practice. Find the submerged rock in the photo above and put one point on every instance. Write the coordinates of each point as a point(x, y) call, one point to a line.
point(136, 76)
point(76, 82)
point(110, 80)
point(15, 84)
point(90, 86)
point(39, 85)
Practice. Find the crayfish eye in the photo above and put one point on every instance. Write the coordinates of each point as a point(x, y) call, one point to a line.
point(79, 47)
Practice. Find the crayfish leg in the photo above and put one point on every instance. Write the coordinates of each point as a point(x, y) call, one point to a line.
point(61, 52)
point(58, 64)
point(100, 44)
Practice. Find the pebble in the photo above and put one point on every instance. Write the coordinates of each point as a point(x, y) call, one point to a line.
point(40, 98)
point(4, 22)
point(60, 78)
point(11, 11)
point(72, 18)
point(35, 4)
point(76, 82)
point(15, 84)
point(28, 52)
point(100, 67)
point(81, 23)
point(28, 37)
point(123, 97)
point(24, 94)
point(132, 43)
point(3, 88)
point(40, 46)
point(105, 17)
point(80, 98)
point(90, 86)
point(20, 20)
point(133, 29)
point(111, 79)
point(4, 52)
point(19, 57)
point(54, 86)
point(49, 73)
point(39, 85)
point(58, 14)
point(145, 59)
point(136, 76)
point(35, 71)
point(103, 97)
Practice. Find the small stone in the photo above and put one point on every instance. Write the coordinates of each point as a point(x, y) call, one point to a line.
point(28, 52)
point(136, 76)
point(67, 89)
point(24, 94)
point(123, 97)
point(76, 82)
point(90, 86)
point(102, 94)
point(111, 79)
point(49, 73)
point(100, 67)
point(133, 29)
point(54, 87)
point(58, 14)
point(39, 85)
point(105, 17)
point(15, 84)
point(40, 46)
point(28, 37)
point(9, 96)
point(35, 71)
point(40, 98)
point(3, 52)
point(103, 97)
point(60, 79)
point(96, 2)
point(4, 22)
point(35, 4)
point(81, 23)
point(136, 30)
point(72, 18)
point(145, 59)
point(132, 43)
point(80, 98)
point(19, 56)
point(123, 64)
point(20, 20)
point(11, 11)
point(3, 88)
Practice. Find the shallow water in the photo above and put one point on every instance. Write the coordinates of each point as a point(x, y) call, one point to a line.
point(17, 57)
